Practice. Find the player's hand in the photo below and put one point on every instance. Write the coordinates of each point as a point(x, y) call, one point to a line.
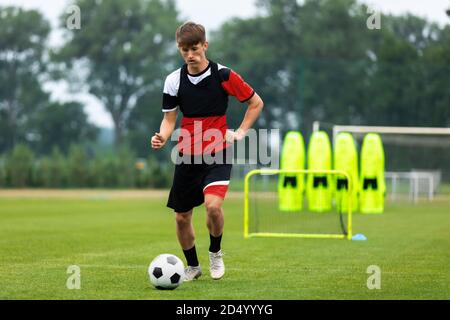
point(232, 136)
point(158, 141)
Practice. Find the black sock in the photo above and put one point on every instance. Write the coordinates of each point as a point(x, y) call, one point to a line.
point(215, 243)
point(191, 257)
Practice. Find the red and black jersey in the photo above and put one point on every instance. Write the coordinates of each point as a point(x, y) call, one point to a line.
point(203, 100)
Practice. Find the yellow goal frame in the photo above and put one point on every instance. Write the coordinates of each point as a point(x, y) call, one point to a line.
point(296, 235)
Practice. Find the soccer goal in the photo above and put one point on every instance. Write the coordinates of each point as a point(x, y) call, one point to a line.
point(264, 217)
point(412, 185)
point(417, 159)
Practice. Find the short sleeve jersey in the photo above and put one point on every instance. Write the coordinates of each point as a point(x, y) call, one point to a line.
point(203, 100)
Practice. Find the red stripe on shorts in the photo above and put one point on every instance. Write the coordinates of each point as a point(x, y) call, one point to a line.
point(217, 190)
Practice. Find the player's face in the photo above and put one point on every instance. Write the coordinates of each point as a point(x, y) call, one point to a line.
point(194, 55)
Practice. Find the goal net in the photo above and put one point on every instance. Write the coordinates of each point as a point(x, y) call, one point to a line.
point(265, 216)
point(412, 185)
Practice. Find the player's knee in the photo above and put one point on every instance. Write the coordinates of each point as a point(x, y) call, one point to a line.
point(213, 209)
point(183, 219)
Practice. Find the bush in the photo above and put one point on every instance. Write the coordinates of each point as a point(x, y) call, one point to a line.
point(126, 168)
point(159, 175)
point(78, 167)
point(2, 173)
point(19, 166)
point(78, 170)
point(51, 172)
point(104, 171)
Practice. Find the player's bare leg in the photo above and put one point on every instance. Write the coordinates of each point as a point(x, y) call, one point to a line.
point(185, 229)
point(186, 238)
point(214, 214)
point(215, 222)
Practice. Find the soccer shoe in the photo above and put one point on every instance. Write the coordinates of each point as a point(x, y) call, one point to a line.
point(192, 273)
point(216, 266)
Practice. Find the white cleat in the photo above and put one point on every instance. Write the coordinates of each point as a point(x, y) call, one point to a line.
point(192, 273)
point(216, 265)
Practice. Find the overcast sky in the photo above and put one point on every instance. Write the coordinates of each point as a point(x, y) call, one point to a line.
point(212, 14)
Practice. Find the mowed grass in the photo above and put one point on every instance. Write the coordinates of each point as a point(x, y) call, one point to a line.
point(114, 240)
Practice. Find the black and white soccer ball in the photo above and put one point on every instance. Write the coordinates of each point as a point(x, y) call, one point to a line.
point(166, 271)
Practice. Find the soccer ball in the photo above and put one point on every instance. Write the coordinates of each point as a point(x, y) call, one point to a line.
point(166, 271)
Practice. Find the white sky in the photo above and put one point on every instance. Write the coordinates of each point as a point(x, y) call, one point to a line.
point(212, 14)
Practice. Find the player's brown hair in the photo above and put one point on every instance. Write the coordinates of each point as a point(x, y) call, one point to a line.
point(189, 34)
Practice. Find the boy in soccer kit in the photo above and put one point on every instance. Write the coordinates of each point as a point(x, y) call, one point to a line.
point(200, 89)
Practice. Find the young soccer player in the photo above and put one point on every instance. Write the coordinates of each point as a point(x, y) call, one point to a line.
point(200, 90)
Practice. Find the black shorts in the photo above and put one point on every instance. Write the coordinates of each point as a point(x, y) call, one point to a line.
point(191, 181)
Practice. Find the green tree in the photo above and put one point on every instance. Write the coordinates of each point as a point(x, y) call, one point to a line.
point(317, 60)
point(2, 172)
point(144, 120)
point(436, 58)
point(52, 170)
point(158, 175)
point(406, 81)
point(23, 35)
point(124, 49)
point(104, 169)
point(78, 167)
point(126, 168)
point(294, 55)
point(62, 124)
point(19, 166)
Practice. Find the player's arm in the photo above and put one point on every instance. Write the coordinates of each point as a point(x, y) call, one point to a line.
point(255, 106)
point(235, 86)
point(166, 129)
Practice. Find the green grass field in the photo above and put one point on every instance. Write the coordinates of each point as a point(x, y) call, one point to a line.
point(113, 241)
